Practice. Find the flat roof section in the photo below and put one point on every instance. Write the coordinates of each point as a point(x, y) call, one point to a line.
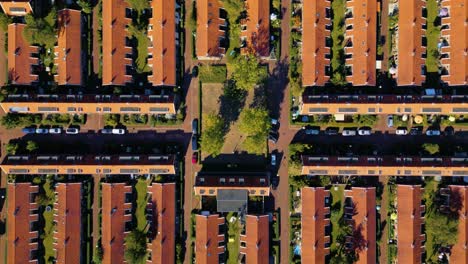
point(363, 36)
point(162, 204)
point(16, 7)
point(116, 212)
point(162, 34)
point(114, 47)
point(410, 46)
point(210, 183)
point(67, 215)
point(315, 212)
point(314, 35)
point(256, 239)
point(21, 57)
point(459, 252)
point(68, 49)
point(232, 201)
point(209, 29)
point(457, 37)
point(209, 235)
point(257, 28)
point(410, 239)
point(363, 213)
point(23, 223)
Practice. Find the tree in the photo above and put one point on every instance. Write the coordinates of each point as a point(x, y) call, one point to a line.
point(142, 48)
point(247, 72)
point(254, 121)
point(111, 119)
point(138, 5)
point(431, 148)
point(135, 244)
point(10, 121)
point(85, 5)
point(212, 138)
point(31, 146)
point(255, 144)
point(41, 31)
point(12, 148)
point(4, 21)
point(443, 229)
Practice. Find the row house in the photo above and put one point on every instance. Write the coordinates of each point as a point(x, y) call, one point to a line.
point(255, 28)
point(211, 184)
point(411, 52)
point(361, 42)
point(360, 214)
point(459, 251)
point(116, 221)
point(22, 224)
point(315, 224)
point(163, 41)
point(453, 43)
point(210, 243)
point(161, 216)
point(410, 224)
point(68, 226)
point(211, 30)
point(316, 26)
point(23, 58)
point(255, 240)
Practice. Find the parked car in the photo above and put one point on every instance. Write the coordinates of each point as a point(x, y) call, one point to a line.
point(29, 130)
point(273, 159)
point(42, 131)
point(273, 136)
point(449, 131)
point(274, 123)
point(348, 132)
point(432, 132)
point(402, 131)
point(195, 158)
point(332, 131)
point(390, 121)
point(309, 130)
point(195, 71)
point(194, 143)
point(274, 182)
point(106, 131)
point(195, 126)
point(415, 131)
point(55, 130)
point(118, 131)
point(365, 131)
point(72, 131)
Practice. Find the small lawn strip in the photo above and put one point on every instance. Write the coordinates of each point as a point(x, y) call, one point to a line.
point(233, 239)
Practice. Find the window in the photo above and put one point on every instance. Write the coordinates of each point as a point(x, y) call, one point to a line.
point(129, 109)
point(159, 109)
point(156, 171)
point(222, 180)
point(243, 244)
point(318, 110)
point(241, 180)
point(432, 110)
point(128, 197)
point(347, 110)
point(71, 109)
point(106, 109)
point(231, 180)
point(47, 109)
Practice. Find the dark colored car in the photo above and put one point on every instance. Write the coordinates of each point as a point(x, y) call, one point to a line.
point(194, 143)
point(415, 131)
point(29, 130)
point(310, 130)
point(449, 131)
point(274, 182)
point(332, 131)
point(195, 126)
point(195, 71)
point(273, 136)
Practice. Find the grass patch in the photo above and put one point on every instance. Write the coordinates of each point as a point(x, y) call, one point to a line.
point(432, 36)
point(233, 239)
point(141, 188)
point(337, 211)
point(48, 241)
point(212, 73)
point(338, 75)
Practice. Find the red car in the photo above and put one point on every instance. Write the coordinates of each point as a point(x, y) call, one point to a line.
point(195, 158)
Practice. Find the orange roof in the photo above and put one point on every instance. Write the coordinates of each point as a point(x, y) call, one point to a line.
point(257, 27)
point(313, 222)
point(114, 48)
point(363, 36)
point(163, 34)
point(116, 211)
point(162, 204)
point(208, 29)
point(457, 37)
point(409, 237)
point(68, 218)
point(20, 60)
point(314, 34)
point(410, 48)
point(256, 239)
point(207, 239)
point(459, 251)
point(16, 7)
point(21, 202)
point(364, 223)
point(68, 49)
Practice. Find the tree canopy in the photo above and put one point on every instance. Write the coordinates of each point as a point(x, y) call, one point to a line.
point(85, 5)
point(431, 148)
point(212, 138)
point(135, 243)
point(255, 124)
point(31, 146)
point(4, 21)
point(138, 5)
point(41, 31)
point(247, 72)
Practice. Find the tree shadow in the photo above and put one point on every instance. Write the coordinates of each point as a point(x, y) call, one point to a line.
point(231, 102)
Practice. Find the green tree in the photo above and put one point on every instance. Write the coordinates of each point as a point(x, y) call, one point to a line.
point(212, 138)
point(10, 121)
point(431, 148)
point(111, 119)
point(138, 5)
point(254, 121)
point(31, 146)
point(142, 48)
point(4, 21)
point(12, 148)
point(247, 72)
point(85, 5)
point(255, 144)
point(135, 244)
point(41, 31)
point(192, 23)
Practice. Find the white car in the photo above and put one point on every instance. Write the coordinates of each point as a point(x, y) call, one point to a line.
point(365, 131)
point(56, 130)
point(401, 131)
point(348, 132)
point(432, 132)
point(118, 131)
point(42, 131)
point(72, 131)
point(273, 160)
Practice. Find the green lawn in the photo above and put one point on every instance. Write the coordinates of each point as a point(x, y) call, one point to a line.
point(337, 34)
point(432, 35)
point(142, 200)
point(48, 241)
point(233, 233)
point(337, 211)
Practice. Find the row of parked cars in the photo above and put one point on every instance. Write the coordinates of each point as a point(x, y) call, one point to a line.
point(366, 131)
point(54, 130)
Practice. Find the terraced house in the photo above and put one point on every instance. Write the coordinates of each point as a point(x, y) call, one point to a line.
point(23, 58)
point(255, 28)
point(210, 241)
point(211, 30)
